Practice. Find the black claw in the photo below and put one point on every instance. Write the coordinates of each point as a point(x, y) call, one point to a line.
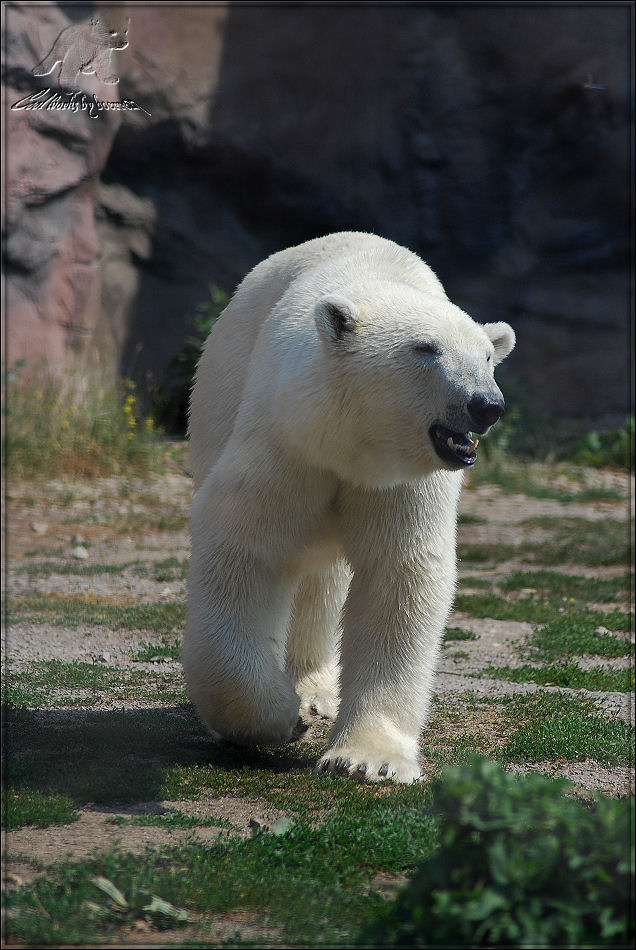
point(384, 769)
point(347, 764)
point(362, 768)
point(325, 765)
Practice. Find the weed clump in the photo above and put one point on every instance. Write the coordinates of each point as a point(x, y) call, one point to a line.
point(53, 425)
point(520, 864)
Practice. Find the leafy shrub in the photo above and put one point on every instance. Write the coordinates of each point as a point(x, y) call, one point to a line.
point(170, 404)
point(519, 865)
point(607, 447)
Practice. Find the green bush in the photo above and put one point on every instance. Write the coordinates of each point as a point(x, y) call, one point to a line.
point(607, 447)
point(171, 399)
point(520, 864)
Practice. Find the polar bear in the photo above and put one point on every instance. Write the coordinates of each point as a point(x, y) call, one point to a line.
point(331, 420)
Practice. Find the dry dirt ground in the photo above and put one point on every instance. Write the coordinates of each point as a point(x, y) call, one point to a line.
point(122, 521)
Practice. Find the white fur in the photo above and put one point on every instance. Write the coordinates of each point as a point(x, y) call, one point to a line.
point(320, 503)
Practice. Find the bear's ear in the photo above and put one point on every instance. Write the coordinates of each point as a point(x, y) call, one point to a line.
point(502, 337)
point(336, 317)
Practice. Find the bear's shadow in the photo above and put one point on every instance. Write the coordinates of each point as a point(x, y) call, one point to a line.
point(97, 757)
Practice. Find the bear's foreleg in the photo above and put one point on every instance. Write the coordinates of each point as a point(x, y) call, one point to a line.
point(401, 545)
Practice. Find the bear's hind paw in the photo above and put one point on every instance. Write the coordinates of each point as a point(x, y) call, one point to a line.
point(369, 768)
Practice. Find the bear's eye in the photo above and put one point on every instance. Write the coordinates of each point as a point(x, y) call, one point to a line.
point(426, 349)
point(489, 358)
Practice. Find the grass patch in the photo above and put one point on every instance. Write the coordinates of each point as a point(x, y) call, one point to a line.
point(533, 609)
point(569, 675)
point(171, 819)
point(552, 482)
point(59, 683)
point(579, 635)
point(27, 806)
point(154, 754)
point(171, 569)
point(73, 610)
point(554, 727)
point(570, 587)
point(465, 518)
point(47, 568)
point(579, 541)
point(456, 633)
point(574, 541)
point(150, 652)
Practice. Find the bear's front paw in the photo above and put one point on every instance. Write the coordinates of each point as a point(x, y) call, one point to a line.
point(369, 768)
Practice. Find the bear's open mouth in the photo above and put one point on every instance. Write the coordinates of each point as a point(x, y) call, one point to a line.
point(454, 447)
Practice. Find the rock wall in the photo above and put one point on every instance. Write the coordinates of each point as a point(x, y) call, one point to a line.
point(493, 140)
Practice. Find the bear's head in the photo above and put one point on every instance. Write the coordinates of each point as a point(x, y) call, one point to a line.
point(411, 378)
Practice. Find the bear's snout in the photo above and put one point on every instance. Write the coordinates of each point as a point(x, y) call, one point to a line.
point(485, 411)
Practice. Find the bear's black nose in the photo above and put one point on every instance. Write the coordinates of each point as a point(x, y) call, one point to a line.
point(484, 412)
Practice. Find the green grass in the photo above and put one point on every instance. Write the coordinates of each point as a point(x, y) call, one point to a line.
point(59, 683)
point(27, 806)
point(456, 633)
point(170, 569)
point(570, 675)
point(467, 519)
point(165, 753)
point(579, 541)
point(569, 587)
point(171, 819)
point(48, 568)
point(539, 480)
point(554, 727)
point(149, 652)
point(72, 610)
point(577, 635)
point(573, 541)
point(331, 867)
point(532, 609)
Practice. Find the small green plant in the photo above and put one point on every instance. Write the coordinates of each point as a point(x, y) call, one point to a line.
point(519, 865)
point(140, 904)
point(607, 447)
point(173, 394)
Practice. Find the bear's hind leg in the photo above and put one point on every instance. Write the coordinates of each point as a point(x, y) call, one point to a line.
point(312, 660)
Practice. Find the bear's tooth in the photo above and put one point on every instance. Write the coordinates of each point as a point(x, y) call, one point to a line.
point(473, 444)
point(450, 443)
